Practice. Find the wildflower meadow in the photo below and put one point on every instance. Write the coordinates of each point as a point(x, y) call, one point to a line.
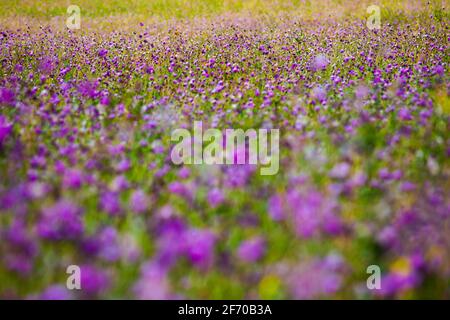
point(338, 189)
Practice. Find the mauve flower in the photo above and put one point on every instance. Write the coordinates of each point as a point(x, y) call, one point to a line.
point(62, 221)
point(340, 170)
point(119, 183)
point(109, 240)
point(17, 235)
point(110, 203)
point(37, 190)
point(149, 70)
point(439, 70)
point(320, 62)
point(7, 96)
point(387, 236)
point(384, 174)
point(139, 202)
point(157, 147)
point(180, 189)
point(215, 197)
point(88, 89)
point(199, 247)
point(315, 279)
point(404, 275)
point(407, 186)
point(130, 250)
point(116, 149)
point(312, 213)
point(102, 52)
point(38, 161)
point(47, 65)
point(162, 171)
point(275, 208)
point(60, 167)
point(104, 100)
point(153, 283)
point(105, 244)
point(21, 248)
point(252, 250)
point(404, 114)
point(5, 129)
point(73, 178)
point(332, 224)
point(56, 292)
point(184, 173)
point(238, 175)
point(13, 197)
point(170, 242)
point(306, 215)
point(123, 165)
point(361, 92)
point(19, 263)
point(319, 93)
point(93, 280)
point(396, 175)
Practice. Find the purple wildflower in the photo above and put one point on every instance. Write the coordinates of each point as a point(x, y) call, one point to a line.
point(5, 129)
point(320, 62)
point(139, 202)
point(252, 250)
point(215, 197)
point(60, 222)
point(199, 246)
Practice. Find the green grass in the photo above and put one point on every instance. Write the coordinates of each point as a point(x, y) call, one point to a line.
point(192, 8)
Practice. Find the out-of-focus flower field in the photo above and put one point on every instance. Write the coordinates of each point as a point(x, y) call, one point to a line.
point(86, 176)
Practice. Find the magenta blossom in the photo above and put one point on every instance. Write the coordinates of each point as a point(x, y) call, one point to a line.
point(61, 221)
point(252, 250)
point(139, 201)
point(5, 129)
point(199, 247)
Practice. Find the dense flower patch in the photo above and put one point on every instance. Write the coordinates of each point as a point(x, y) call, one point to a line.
point(86, 176)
